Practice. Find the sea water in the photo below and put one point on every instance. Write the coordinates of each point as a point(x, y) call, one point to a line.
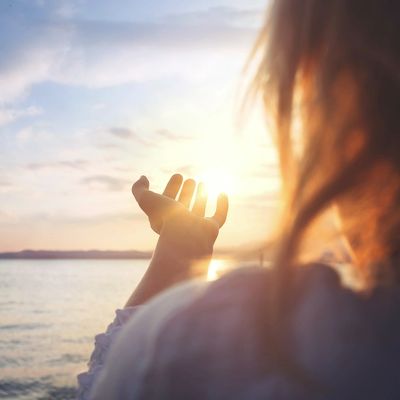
point(50, 311)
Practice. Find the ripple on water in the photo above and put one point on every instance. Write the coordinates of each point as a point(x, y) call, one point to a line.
point(23, 327)
point(41, 390)
point(68, 358)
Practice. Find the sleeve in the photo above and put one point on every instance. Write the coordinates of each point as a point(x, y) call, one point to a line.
point(133, 355)
point(103, 341)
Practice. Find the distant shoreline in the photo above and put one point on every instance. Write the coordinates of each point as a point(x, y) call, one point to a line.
point(76, 255)
point(92, 255)
point(238, 255)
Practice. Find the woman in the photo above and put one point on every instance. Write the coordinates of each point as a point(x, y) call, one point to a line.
point(292, 332)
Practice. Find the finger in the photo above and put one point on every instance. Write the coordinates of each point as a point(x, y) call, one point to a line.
point(154, 205)
point(199, 206)
point(139, 187)
point(173, 186)
point(151, 203)
point(222, 209)
point(187, 192)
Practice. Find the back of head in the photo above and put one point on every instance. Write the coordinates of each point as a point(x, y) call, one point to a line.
point(330, 79)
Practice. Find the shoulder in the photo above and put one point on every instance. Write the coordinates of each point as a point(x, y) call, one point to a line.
point(347, 339)
point(207, 325)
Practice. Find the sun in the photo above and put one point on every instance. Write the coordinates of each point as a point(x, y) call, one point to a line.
point(217, 180)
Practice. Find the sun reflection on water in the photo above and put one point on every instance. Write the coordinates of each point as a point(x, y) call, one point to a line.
point(216, 269)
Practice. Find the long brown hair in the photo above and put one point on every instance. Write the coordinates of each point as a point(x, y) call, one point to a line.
point(334, 66)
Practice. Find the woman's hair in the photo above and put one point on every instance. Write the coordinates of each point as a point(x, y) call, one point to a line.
point(330, 76)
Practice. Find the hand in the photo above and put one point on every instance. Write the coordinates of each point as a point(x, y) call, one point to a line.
point(186, 232)
point(186, 236)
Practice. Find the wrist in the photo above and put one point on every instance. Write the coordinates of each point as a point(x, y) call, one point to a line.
point(173, 254)
point(178, 262)
point(188, 243)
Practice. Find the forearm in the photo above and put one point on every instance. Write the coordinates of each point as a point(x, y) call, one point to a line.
point(156, 278)
point(168, 266)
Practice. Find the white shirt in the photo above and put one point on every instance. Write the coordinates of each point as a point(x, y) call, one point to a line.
point(201, 341)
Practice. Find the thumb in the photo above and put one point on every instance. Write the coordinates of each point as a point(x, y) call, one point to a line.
point(153, 204)
point(140, 187)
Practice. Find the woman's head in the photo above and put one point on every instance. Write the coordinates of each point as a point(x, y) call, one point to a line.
point(330, 79)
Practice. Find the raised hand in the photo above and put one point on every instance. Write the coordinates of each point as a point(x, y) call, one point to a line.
point(185, 230)
point(186, 236)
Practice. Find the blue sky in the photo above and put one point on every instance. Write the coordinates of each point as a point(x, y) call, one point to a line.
point(96, 93)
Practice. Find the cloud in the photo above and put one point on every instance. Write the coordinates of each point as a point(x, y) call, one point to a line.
point(163, 34)
point(8, 114)
point(102, 54)
point(106, 182)
point(123, 133)
point(71, 164)
point(44, 44)
point(187, 170)
point(166, 134)
point(33, 40)
point(67, 218)
point(5, 186)
point(129, 134)
point(7, 217)
point(32, 133)
point(104, 218)
point(108, 146)
point(151, 140)
point(221, 15)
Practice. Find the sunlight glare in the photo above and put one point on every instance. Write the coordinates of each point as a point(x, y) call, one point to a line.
point(217, 181)
point(214, 270)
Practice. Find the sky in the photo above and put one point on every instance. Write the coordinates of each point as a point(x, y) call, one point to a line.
point(95, 93)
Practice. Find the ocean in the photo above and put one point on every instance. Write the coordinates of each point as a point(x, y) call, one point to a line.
point(50, 311)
